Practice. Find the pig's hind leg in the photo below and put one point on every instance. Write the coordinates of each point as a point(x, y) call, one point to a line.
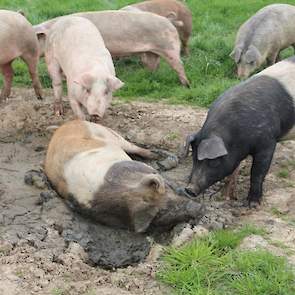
point(7, 72)
point(173, 59)
point(129, 147)
point(32, 62)
point(260, 166)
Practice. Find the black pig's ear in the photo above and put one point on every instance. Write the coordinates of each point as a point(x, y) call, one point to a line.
point(184, 149)
point(211, 148)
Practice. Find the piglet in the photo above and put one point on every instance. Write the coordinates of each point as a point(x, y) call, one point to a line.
point(17, 39)
point(263, 36)
point(75, 48)
point(89, 167)
point(248, 119)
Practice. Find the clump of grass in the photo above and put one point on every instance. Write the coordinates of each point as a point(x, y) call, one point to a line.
point(214, 266)
point(283, 173)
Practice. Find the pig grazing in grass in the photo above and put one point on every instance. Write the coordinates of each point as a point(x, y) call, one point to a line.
point(176, 11)
point(248, 119)
point(131, 33)
point(263, 36)
point(89, 167)
point(75, 48)
point(17, 39)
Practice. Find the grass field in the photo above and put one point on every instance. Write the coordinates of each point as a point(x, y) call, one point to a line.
point(215, 266)
point(209, 68)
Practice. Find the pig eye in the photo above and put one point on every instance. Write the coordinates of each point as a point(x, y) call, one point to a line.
point(214, 163)
point(106, 92)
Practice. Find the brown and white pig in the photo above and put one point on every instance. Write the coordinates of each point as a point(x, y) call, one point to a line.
point(176, 11)
point(17, 39)
point(75, 48)
point(89, 167)
point(263, 36)
point(128, 33)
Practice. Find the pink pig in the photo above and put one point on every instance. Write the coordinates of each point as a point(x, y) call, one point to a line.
point(128, 33)
point(17, 39)
point(75, 48)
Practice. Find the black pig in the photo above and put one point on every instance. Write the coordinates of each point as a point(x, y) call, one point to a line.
point(248, 119)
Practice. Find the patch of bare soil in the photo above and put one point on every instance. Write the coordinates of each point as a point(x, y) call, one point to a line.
point(45, 248)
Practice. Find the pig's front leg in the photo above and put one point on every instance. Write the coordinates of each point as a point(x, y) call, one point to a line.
point(260, 166)
point(7, 72)
point(56, 76)
point(75, 105)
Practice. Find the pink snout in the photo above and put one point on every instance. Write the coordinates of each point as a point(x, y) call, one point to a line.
point(96, 109)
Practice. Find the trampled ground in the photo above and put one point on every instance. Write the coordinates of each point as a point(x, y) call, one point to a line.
point(37, 252)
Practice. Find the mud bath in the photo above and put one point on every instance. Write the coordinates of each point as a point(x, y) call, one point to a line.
point(45, 246)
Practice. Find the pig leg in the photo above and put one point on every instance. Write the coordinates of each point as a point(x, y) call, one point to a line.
point(131, 148)
point(260, 166)
point(230, 190)
point(185, 48)
point(173, 59)
point(273, 58)
point(150, 60)
point(32, 63)
point(7, 72)
point(56, 76)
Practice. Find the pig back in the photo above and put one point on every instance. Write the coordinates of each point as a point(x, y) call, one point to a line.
point(271, 27)
point(125, 32)
point(16, 35)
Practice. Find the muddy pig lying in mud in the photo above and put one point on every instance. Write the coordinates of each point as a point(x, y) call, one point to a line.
point(86, 64)
point(248, 119)
point(127, 33)
point(263, 36)
point(176, 11)
point(89, 167)
point(17, 39)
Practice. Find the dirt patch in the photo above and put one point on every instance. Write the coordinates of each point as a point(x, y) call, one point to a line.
point(47, 249)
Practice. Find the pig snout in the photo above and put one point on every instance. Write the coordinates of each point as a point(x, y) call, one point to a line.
point(96, 108)
point(243, 73)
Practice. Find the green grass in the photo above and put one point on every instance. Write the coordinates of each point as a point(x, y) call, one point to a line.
point(214, 266)
point(209, 68)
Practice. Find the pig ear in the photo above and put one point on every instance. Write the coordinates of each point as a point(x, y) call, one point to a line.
point(154, 182)
point(184, 149)
point(252, 54)
point(113, 83)
point(86, 80)
point(211, 148)
point(173, 19)
point(143, 217)
point(236, 54)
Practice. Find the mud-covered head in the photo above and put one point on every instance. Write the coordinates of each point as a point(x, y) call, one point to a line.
point(131, 195)
point(247, 60)
point(98, 93)
point(212, 161)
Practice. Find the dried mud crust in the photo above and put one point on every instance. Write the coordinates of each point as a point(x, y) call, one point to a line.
point(47, 248)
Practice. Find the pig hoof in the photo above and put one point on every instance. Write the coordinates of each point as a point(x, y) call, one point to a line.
point(58, 109)
point(186, 192)
point(169, 163)
point(254, 204)
point(39, 97)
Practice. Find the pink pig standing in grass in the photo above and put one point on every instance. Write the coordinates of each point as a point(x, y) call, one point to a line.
point(75, 48)
point(17, 39)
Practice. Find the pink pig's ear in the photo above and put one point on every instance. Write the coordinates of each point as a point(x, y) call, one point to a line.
point(86, 80)
point(113, 83)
